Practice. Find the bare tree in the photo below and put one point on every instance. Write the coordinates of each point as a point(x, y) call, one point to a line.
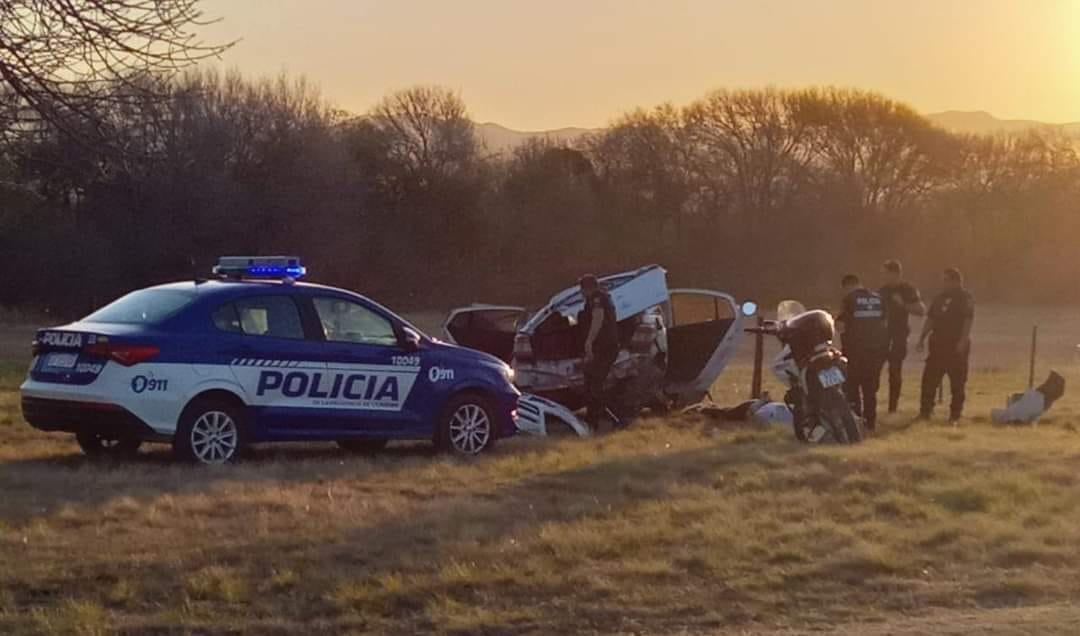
point(750, 144)
point(427, 131)
point(63, 58)
point(882, 151)
point(645, 158)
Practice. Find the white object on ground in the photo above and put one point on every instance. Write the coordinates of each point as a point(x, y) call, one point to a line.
point(1024, 410)
point(774, 413)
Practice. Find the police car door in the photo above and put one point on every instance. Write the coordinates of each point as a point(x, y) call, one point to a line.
point(273, 356)
point(703, 331)
point(369, 375)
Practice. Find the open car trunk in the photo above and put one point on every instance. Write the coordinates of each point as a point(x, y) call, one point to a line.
point(487, 328)
point(703, 328)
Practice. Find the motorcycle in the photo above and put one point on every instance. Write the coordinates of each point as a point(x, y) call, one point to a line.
point(813, 370)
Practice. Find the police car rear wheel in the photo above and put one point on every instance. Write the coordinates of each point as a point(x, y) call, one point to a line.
point(95, 444)
point(210, 433)
point(468, 427)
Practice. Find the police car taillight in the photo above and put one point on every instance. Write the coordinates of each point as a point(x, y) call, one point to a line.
point(265, 267)
point(523, 347)
point(125, 354)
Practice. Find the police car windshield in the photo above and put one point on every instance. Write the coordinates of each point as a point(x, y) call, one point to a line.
point(143, 307)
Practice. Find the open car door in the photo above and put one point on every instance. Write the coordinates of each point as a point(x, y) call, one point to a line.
point(704, 329)
point(487, 328)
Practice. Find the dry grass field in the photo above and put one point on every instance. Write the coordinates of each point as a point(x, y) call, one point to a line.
point(676, 526)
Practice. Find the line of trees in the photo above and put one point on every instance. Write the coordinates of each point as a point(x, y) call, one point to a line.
point(766, 193)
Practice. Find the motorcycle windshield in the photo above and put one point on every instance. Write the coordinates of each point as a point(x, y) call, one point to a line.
point(788, 309)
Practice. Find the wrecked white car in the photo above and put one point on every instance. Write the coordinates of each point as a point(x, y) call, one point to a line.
point(674, 344)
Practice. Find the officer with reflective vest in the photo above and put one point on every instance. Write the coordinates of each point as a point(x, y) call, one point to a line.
point(865, 340)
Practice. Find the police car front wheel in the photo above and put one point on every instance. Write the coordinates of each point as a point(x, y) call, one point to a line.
point(210, 432)
point(468, 425)
point(96, 444)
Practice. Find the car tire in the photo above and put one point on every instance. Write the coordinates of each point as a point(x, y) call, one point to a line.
point(210, 431)
point(99, 445)
point(467, 426)
point(362, 446)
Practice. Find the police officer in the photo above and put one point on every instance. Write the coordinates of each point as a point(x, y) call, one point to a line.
point(901, 300)
point(601, 345)
point(865, 342)
point(948, 327)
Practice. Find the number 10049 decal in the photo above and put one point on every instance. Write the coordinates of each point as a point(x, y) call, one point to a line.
point(405, 361)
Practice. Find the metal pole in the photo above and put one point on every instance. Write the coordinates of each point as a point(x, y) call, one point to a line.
point(1034, 342)
point(759, 356)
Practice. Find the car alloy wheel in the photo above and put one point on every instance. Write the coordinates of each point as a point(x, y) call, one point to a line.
point(215, 437)
point(470, 429)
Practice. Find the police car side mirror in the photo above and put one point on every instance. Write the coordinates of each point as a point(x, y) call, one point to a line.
point(410, 340)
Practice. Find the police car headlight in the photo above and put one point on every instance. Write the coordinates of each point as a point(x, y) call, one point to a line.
point(508, 373)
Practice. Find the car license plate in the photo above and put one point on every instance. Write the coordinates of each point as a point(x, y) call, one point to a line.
point(61, 360)
point(830, 377)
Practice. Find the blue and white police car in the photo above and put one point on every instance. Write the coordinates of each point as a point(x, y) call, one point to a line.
point(252, 355)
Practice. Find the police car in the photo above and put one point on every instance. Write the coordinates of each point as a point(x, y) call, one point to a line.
point(252, 355)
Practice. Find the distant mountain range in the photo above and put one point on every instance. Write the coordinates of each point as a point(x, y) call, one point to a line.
point(499, 138)
point(982, 122)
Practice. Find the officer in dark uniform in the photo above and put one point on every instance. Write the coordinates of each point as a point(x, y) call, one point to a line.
point(865, 341)
point(601, 345)
point(948, 326)
point(901, 300)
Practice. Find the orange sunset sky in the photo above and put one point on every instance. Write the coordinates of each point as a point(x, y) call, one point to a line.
point(553, 63)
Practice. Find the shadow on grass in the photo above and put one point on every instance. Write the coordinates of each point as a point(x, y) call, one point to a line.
point(41, 485)
point(423, 539)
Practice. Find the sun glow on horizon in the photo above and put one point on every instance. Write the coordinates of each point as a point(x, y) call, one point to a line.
point(584, 62)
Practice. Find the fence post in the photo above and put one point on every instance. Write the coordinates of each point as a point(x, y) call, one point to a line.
point(759, 355)
point(1034, 342)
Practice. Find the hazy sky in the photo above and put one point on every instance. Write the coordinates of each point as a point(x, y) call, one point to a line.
point(534, 64)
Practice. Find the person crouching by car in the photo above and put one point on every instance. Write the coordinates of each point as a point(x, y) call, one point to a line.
point(865, 341)
point(601, 346)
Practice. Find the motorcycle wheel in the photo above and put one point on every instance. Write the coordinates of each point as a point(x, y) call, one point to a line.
point(841, 420)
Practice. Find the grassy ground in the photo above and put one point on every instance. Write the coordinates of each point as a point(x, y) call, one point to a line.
point(680, 525)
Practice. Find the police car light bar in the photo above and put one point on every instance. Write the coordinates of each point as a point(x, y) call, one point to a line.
point(270, 267)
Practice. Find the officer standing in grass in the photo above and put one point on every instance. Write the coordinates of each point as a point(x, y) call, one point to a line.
point(865, 341)
point(601, 346)
point(948, 327)
point(901, 300)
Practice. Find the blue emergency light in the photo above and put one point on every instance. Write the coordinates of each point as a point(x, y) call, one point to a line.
point(268, 267)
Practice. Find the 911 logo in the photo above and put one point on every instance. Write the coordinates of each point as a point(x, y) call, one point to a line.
point(142, 384)
point(438, 374)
